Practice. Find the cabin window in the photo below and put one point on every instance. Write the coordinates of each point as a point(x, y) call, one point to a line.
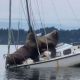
point(66, 52)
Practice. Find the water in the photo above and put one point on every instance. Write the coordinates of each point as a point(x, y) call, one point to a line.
point(35, 74)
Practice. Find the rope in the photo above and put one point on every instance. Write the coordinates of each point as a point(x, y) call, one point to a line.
point(32, 22)
point(36, 42)
point(23, 10)
point(56, 13)
point(42, 24)
point(18, 35)
point(72, 10)
point(16, 47)
point(12, 33)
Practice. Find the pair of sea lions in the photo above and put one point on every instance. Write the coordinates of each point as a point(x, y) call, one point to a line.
point(29, 49)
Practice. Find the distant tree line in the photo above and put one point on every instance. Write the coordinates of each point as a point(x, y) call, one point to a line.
point(19, 37)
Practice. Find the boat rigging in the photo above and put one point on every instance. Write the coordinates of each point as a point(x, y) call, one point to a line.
point(9, 30)
point(22, 54)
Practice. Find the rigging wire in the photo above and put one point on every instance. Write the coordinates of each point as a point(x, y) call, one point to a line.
point(32, 15)
point(19, 21)
point(18, 35)
point(13, 38)
point(72, 10)
point(56, 13)
point(75, 16)
point(33, 23)
point(12, 34)
point(42, 24)
point(23, 10)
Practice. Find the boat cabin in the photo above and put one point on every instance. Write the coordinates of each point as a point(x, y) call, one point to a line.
point(64, 49)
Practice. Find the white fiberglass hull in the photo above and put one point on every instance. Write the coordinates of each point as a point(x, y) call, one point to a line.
point(60, 62)
point(65, 61)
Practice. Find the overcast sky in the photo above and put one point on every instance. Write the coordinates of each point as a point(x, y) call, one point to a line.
point(51, 11)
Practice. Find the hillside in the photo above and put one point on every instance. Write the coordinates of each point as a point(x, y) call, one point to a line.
point(67, 36)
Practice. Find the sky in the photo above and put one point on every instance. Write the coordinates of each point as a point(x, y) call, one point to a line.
point(50, 12)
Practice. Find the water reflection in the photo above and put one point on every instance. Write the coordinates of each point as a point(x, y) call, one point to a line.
point(43, 74)
point(30, 74)
point(36, 74)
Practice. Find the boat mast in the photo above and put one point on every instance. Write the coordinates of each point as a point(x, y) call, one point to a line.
point(28, 15)
point(30, 26)
point(9, 30)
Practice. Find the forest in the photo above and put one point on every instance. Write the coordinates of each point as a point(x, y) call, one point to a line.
point(20, 36)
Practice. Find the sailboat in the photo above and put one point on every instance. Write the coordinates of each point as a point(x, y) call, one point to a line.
point(66, 54)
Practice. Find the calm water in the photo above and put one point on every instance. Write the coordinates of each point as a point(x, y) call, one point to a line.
point(35, 74)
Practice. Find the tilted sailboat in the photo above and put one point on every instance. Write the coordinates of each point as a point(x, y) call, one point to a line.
point(42, 51)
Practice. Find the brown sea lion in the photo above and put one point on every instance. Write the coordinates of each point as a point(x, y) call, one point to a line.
point(29, 49)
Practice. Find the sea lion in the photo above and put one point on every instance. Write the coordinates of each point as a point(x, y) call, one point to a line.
point(29, 49)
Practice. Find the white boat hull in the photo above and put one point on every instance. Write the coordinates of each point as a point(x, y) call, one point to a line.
point(61, 62)
point(70, 60)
